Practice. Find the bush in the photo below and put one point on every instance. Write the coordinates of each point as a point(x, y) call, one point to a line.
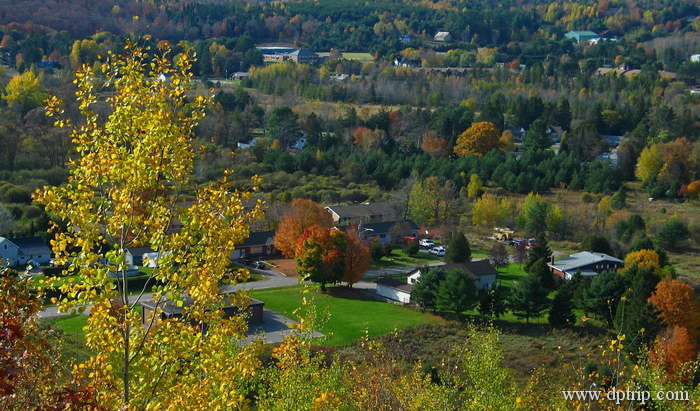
point(16, 194)
point(672, 233)
point(377, 251)
point(32, 211)
point(411, 249)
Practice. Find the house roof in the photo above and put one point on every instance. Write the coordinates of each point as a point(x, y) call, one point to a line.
point(303, 52)
point(390, 282)
point(139, 251)
point(258, 238)
point(30, 245)
point(582, 259)
point(442, 34)
point(385, 227)
point(579, 33)
point(361, 210)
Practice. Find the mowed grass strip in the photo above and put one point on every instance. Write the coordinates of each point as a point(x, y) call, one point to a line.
point(350, 316)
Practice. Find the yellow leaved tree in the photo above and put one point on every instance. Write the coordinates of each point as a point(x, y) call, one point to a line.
point(478, 139)
point(125, 190)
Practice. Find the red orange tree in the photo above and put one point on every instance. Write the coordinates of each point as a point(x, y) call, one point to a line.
point(301, 215)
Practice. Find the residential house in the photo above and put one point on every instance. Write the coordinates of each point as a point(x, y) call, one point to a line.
point(483, 273)
point(259, 243)
point(167, 309)
point(695, 58)
point(135, 255)
point(517, 132)
point(394, 290)
point(586, 262)
point(361, 213)
point(303, 56)
point(382, 231)
point(246, 143)
point(405, 38)
point(300, 144)
point(20, 251)
point(555, 133)
point(581, 35)
point(443, 37)
point(404, 62)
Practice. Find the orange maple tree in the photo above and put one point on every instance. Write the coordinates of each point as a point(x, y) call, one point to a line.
point(435, 146)
point(357, 256)
point(478, 139)
point(320, 255)
point(301, 215)
point(678, 305)
point(673, 351)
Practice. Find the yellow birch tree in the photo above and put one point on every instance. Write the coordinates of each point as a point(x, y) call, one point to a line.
point(125, 190)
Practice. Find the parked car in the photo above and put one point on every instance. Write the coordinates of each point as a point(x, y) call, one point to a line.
point(438, 251)
point(259, 265)
point(426, 242)
point(245, 261)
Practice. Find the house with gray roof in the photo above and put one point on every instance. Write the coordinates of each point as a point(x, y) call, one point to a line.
point(482, 272)
point(394, 290)
point(20, 251)
point(586, 262)
point(258, 243)
point(361, 213)
point(582, 35)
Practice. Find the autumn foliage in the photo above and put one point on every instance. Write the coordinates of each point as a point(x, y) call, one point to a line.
point(645, 259)
point(673, 351)
point(367, 139)
point(326, 255)
point(478, 139)
point(677, 305)
point(435, 146)
point(301, 215)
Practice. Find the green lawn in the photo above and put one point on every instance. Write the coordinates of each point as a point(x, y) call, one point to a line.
point(349, 318)
point(399, 259)
point(72, 325)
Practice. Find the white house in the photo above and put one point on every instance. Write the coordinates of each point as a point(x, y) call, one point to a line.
point(20, 251)
point(300, 143)
point(443, 37)
point(483, 273)
point(394, 290)
point(695, 58)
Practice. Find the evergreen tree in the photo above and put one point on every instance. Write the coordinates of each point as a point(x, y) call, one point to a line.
point(636, 317)
point(597, 244)
point(411, 249)
point(562, 114)
point(537, 137)
point(457, 292)
point(561, 314)
point(603, 295)
point(619, 199)
point(492, 302)
point(528, 298)
point(425, 289)
point(540, 270)
point(458, 250)
point(540, 250)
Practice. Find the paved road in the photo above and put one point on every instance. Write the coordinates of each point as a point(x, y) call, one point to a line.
point(272, 279)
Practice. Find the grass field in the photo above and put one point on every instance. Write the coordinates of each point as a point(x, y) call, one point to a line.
point(349, 316)
point(363, 57)
point(399, 259)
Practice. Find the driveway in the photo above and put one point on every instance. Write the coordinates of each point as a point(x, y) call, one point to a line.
point(272, 279)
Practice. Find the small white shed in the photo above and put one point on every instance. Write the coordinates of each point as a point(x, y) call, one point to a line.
point(394, 290)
